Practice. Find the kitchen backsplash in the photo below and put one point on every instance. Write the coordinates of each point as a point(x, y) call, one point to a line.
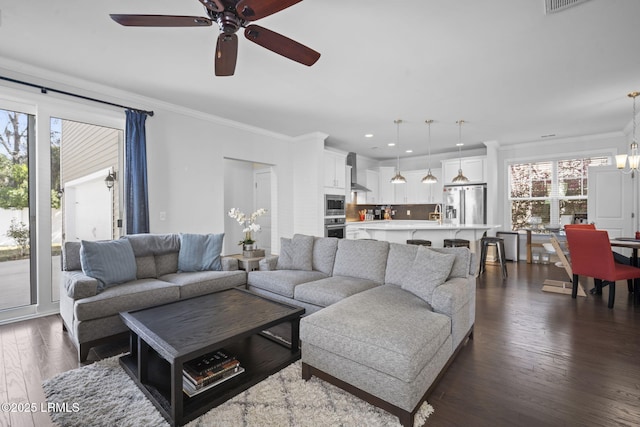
point(416, 212)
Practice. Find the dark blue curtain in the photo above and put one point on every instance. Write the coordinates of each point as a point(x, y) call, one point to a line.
point(136, 174)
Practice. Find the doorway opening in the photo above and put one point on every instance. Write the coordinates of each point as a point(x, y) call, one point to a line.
point(248, 186)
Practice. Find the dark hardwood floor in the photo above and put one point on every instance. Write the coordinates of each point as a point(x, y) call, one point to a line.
point(537, 359)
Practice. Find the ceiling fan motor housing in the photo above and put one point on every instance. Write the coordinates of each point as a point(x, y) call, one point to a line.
point(228, 22)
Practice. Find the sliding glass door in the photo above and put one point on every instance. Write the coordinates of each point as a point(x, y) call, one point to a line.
point(17, 208)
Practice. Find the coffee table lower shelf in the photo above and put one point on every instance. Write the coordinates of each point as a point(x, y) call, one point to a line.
point(260, 356)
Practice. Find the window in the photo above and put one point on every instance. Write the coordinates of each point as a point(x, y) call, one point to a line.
point(548, 189)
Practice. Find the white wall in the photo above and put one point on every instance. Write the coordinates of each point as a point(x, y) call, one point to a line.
point(186, 170)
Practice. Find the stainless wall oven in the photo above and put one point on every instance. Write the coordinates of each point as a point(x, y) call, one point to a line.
point(334, 205)
point(334, 227)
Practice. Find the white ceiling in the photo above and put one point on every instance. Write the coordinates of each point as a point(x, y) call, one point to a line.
point(511, 72)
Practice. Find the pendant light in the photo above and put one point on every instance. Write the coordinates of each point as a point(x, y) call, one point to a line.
point(634, 156)
point(429, 178)
point(460, 179)
point(398, 178)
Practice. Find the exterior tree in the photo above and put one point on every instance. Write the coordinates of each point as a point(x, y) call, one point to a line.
point(14, 170)
point(14, 136)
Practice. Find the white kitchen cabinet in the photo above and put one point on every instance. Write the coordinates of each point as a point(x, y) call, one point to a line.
point(334, 171)
point(386, 190)
point(414, 191)
point(434, 191)
point(372, 182)
point(473, 168)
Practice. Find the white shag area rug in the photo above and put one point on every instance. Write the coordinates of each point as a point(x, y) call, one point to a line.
point(102, 394)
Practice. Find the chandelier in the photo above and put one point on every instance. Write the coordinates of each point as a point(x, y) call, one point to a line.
point(460, 179)
point(398, 178)
point(633, 156)
point(429, 178)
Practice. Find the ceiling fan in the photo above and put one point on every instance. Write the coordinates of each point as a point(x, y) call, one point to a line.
point(231, 15)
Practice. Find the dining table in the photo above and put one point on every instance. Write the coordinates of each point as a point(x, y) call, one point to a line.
point(633, 244)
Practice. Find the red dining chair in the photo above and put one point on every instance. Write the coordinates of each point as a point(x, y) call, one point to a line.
point(620, 259)
point(580, 226)
point(591, 256)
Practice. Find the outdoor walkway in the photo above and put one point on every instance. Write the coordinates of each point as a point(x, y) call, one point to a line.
point(14, 282)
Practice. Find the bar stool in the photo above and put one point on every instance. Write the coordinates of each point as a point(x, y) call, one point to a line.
point(419, 242)
point(456, 243)
point(498, 242)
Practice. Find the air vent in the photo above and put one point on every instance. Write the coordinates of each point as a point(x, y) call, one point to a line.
point(553, 6)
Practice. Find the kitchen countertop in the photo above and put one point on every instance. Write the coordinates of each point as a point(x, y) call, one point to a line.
point(415, 225)
point(399, 231)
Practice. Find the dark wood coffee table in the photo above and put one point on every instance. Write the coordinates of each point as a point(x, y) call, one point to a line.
point(163, 338)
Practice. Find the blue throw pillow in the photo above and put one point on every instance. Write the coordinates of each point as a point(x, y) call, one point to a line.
point(110, 262)
point(200, 252)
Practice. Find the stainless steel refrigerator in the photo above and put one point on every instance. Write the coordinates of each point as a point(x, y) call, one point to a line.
point(465, 204)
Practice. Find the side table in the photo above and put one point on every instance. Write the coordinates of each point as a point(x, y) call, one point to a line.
point(247, 264)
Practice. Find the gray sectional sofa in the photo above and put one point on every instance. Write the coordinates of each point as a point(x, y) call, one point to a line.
point(386, 319)
point(90, 310)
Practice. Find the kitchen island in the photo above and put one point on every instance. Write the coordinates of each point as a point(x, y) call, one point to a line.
point(399, 231)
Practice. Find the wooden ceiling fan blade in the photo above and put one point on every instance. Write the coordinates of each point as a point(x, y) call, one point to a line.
point(213, 5)
point(226, 54)
point(252, 10)
point(281, 45)
point(161, 20)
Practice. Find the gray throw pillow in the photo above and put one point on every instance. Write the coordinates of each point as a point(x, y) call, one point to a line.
point(430, 269)
point(461, 264)
point(110, 262)
point(296, 253)
point(200, 252)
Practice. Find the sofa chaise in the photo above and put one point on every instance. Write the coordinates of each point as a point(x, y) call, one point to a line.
point(386, 319)
point(142, 270)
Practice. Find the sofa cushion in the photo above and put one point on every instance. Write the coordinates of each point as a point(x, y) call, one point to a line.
point(328, 291)
point(71, 256)
point(200, 252)
point(166, 263)
point(429, 270)
point(111, 262)
point(399, 263)
point(126, 297)
point(282, 282)
point(366, 259)
point(146, 267)
point(198, 283)
point(296, 253)
point(324, 254)
point(462, 264)
point(153, 244)
point(385, 328)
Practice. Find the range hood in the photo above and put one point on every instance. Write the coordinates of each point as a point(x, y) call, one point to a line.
point(351, 161)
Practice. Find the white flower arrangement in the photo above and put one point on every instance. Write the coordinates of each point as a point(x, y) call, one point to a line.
point(248, 223)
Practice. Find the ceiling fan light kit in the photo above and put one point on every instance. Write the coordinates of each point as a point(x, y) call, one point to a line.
point(231, 15)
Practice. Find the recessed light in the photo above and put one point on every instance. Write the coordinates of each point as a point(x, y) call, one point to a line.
point(368, 135)
point(459, 144)
point(409, 151)
point(391, 144)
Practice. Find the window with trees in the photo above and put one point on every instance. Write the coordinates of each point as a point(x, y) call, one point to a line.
point(548, 189)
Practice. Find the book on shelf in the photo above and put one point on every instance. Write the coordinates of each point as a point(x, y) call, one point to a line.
point(210, 376)
point(208, 362)
point(191, 390)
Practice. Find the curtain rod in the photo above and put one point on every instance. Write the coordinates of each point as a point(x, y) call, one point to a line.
point(44, 89)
